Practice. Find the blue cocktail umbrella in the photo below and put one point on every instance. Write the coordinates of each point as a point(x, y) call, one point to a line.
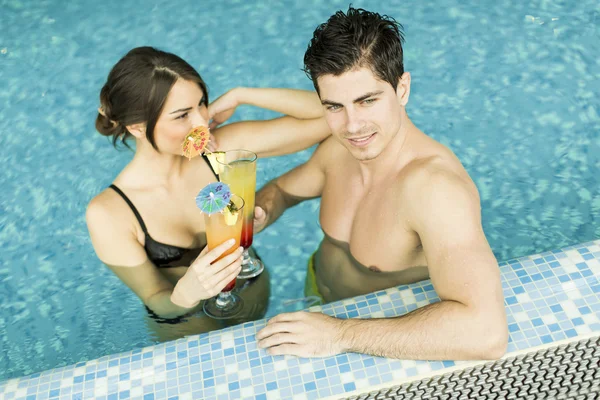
point(213, 198)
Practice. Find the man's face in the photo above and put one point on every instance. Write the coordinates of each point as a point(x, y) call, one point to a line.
point(363, 112)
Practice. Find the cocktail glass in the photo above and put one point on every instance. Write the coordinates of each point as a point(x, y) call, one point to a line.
point(237, 168)
point(220, 227)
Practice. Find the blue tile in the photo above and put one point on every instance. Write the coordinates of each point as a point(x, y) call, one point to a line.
point(518, 290)
point(194, 360)
point(556, 308)
point(539, 261)
point(513, 328)
point(124, 394)
point(555, 264)
point(585, 310)
point(577, 321)
point(349, 387)
point(583, 250)
point(525, 279)
point(344, 368)
point(511, 300)
point(78, 379)
point(537, 322)
point(588, 257)
point(448, 363)
point(261, 396)
point(554, 327)
point(209, 383)
point(54, 393)
point(215, 346)
point(537, 277)
point(272, 386)
point(571, 333)
point(353, 314)
point(205, 357)
point(147, 355)
point(182, 354)
point(234, 386)
point(113, 363)
point(228, 352)
point(310, 386)
point(521, 273)
point(113, 396)
point(171, 366)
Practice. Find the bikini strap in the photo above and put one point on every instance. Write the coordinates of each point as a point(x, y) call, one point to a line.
point(135, 211)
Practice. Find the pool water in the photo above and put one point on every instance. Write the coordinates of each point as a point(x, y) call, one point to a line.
point(511, 88)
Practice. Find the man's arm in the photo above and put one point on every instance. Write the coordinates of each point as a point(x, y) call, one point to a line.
point(304, 182)
point(468, 323)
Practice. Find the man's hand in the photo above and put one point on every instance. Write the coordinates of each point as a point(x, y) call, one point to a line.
point(260, 219)
point(222, 108)
point(302, 334)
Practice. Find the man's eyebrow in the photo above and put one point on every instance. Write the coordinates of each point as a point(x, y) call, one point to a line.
point(357, 100)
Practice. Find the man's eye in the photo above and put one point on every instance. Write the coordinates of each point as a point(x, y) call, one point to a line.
point(333, 108)
point(369, 101)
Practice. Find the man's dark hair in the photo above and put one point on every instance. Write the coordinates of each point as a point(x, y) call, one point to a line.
point(355, 39)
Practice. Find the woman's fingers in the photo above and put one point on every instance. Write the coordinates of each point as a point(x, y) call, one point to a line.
point(206, 259)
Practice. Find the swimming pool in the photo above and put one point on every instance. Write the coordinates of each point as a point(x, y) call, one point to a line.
point(510, 88)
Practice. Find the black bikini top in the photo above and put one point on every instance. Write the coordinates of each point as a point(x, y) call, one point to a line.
point(161, 254)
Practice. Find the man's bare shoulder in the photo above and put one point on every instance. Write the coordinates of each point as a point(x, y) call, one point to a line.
point(437, 178)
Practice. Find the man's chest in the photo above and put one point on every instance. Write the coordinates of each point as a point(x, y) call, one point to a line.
point(373, 222)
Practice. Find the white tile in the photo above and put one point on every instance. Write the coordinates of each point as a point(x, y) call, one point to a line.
point(423, 368)
point(247, 391)
point(138, 391)
point(570, 309)
point(158, 360)
point(300, 396)
point(521, 317)
point(378, 314)
point(347, 377)
point(124, 385)
point(68, 382)
point(589, 318)
point(362, 383)
point(523, 298)
point(594, 266)
point(273, 395)
point(409, 363)
point(21, 393)
point(185, 396)
point(583, 329)
point(100, 391)
point(245, 374)
point(220, 389)
point(306, 368)
point(407, 296)
point(549, 319)
point(280, 365)
point(231, 368)
point(112, 371)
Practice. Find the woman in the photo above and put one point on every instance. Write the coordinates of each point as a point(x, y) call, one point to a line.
point(146, 227)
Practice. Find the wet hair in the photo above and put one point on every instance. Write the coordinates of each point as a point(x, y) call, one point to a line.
point(356, 39)
point(136, 91)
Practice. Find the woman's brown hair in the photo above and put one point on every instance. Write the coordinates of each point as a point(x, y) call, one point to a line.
point(136, 90)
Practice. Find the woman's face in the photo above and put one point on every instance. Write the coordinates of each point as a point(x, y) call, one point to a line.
point(184, 110)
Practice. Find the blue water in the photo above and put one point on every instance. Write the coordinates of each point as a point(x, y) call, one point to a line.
point(511, 88)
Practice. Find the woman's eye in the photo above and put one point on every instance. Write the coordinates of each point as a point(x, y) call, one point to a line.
point(182, 116)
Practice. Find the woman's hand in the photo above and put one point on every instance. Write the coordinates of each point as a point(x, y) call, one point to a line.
point(223, 108)
point(204, 280)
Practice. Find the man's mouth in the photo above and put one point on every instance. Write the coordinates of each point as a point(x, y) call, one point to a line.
point(362, 141)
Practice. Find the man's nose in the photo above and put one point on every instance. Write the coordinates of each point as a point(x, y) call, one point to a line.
point(354, 122)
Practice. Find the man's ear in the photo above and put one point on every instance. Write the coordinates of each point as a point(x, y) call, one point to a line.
point(403, 89)
point(137, 130)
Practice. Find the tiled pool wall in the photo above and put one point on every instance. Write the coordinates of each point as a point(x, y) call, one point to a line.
point(549, 297)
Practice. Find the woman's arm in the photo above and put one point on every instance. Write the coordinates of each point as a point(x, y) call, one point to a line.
point(301, 104)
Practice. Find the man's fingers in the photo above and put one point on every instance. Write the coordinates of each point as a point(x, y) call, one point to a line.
point(286, 349)
point(278, 339)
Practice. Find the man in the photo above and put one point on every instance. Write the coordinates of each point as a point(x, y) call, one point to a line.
point(396, 207)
